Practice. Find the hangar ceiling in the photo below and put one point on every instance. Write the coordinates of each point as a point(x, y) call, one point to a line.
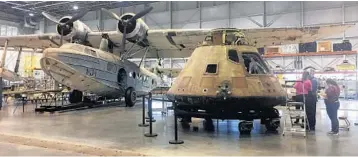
point(20, 9)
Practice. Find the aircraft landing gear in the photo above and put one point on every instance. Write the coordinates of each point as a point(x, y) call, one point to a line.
point(75, 96)
point(208, 124)
point(185, 122)
point(130, 97)
point(272, 124)
point(245, 127)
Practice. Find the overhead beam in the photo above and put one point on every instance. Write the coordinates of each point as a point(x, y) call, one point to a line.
point(255, 22)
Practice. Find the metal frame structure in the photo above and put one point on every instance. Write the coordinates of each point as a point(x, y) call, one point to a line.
point(22, 8)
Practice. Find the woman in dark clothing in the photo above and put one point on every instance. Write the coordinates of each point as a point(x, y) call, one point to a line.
point(332, 104)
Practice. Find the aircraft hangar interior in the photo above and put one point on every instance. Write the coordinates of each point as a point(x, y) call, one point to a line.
point(178, 78)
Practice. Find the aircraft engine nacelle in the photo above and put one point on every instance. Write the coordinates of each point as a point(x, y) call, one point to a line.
point(136, 31)
point(76, 30)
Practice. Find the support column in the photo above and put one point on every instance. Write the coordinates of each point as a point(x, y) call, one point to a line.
point(171, 13)
point(3, 57)
point(302, 14)
point(100, 20)
point(264, 23)
point(229, 10)
point(199, 3)
point(343, 18)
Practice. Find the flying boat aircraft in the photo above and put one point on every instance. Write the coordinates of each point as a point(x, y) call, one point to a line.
point(215, 74)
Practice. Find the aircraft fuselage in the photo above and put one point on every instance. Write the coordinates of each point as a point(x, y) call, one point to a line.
point(94, 71)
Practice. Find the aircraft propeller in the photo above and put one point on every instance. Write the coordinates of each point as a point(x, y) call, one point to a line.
point(65, 25)
point(127, 22)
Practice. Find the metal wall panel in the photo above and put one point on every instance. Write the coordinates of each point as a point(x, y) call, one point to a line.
point(157, 18)
point(215, 24)
point(246, 9)
point(187, 26)
point(184, 5)
point(186, 16)
point(215, 13)
point(315, 5)
point(285, 20)
point(246, 23)
point(159, 6)
point(327, 16)
point(351, 13)
point(282, 7)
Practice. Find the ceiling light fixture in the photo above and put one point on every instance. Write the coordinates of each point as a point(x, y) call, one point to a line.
point(75, 7)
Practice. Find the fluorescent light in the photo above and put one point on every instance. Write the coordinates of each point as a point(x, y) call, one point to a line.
point(31, 14)
point(75, 7)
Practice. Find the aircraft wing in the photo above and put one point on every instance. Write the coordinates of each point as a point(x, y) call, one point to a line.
point(180, 43)
point(32, 41)
point(281, 36)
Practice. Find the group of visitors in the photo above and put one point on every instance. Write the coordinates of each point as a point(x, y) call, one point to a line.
point(306, 91)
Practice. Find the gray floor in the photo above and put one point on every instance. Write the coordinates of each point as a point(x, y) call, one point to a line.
point(117, 128)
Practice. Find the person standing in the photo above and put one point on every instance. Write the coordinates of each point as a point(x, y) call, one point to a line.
point(313, 101)
point(303, 86)
point(332, 105)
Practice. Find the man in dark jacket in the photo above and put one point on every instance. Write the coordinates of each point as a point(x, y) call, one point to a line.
point(313, 103)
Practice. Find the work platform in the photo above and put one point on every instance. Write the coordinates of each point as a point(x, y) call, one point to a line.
point(116, 128)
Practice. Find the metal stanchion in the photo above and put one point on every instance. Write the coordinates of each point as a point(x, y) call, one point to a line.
point(23, 104)
point(150, 134)
point(176, 140)
point(143, 114)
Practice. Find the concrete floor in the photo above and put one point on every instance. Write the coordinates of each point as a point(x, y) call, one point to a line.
point(116, 128)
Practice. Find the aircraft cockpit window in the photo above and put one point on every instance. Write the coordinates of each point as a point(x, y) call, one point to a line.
point(232, 54)
point(211, 68)
point(254, 64)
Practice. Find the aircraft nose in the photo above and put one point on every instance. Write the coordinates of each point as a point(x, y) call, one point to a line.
point(51, 52)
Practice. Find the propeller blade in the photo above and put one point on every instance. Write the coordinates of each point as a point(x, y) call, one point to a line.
point(140, 14)
point(124, 38)
point(50, 17)
point(77, 17)
point(61, 40)
point(111, 14)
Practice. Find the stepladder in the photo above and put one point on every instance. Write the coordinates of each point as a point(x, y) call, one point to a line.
point(295, 117)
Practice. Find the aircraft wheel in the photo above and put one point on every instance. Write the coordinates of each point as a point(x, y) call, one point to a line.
point(245, 127)
point(185, 122)
point(130, 97)
point(272, 124)
point(75, 96)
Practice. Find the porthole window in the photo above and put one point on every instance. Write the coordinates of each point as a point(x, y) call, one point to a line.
point(211, 68)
